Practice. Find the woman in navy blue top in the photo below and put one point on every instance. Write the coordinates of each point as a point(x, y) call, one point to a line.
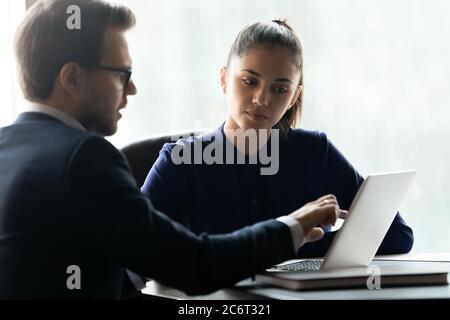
point(199, 181)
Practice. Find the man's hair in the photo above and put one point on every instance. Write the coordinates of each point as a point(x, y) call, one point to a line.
point(44, 43)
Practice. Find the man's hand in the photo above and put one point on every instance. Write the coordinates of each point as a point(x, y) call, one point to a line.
point(321, 212)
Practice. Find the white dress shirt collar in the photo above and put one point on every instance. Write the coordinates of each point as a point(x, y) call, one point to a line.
point(55, 113)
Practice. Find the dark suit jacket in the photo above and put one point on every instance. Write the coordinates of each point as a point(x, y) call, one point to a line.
point(67, 198)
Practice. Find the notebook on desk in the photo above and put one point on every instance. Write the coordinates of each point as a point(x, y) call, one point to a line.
point(355, 244)
point(375, 276)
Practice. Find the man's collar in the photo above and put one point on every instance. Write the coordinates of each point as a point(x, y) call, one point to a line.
point(55, 113)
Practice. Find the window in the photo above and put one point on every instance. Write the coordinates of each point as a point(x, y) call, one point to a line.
point(9, 89)
point(377, 81)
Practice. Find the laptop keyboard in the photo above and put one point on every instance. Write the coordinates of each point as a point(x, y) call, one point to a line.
point(304, 265)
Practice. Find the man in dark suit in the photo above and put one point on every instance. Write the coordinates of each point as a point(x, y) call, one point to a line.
point(72, 219)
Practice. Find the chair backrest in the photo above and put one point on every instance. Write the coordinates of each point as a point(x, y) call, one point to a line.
point(141, 155)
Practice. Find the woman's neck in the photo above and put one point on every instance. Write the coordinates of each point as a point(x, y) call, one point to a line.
point(248, 141)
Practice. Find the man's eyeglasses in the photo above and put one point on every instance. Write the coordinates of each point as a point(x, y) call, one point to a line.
point(126, 73)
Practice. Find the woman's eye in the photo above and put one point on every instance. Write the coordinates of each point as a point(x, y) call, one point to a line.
point(280, 89)
point(248, 82)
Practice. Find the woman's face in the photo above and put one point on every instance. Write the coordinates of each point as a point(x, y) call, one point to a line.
point(259, 88)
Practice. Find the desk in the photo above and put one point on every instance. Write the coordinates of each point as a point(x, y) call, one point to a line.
point(248, 290)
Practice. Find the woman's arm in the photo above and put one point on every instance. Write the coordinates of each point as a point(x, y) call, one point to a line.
point(166, 185)
point(342, 180)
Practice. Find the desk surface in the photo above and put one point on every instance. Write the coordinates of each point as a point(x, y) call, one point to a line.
point(248, 290)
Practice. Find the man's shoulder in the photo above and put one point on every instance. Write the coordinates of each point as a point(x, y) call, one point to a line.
point(96, 147)
point(50, 139)
point(73, 140)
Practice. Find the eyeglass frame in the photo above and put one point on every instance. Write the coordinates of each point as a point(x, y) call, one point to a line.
point(127, 72)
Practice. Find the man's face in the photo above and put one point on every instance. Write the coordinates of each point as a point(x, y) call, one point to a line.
point(105, 92)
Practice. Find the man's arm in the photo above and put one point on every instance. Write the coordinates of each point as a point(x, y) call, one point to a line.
point(121, 223)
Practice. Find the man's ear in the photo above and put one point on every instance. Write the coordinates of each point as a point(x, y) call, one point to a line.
point(71, 77)
point(298, 91)
point(223, 79)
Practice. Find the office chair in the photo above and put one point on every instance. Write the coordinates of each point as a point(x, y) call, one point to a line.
point(141, 155)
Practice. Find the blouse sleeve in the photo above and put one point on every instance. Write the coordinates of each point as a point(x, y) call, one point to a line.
point(165, 184)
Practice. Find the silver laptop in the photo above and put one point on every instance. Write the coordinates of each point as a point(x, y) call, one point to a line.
point(369, 218)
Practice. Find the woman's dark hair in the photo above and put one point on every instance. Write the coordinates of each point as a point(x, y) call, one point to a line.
point(276, 33)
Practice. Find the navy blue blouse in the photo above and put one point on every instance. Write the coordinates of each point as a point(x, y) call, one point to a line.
point(220, 198)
